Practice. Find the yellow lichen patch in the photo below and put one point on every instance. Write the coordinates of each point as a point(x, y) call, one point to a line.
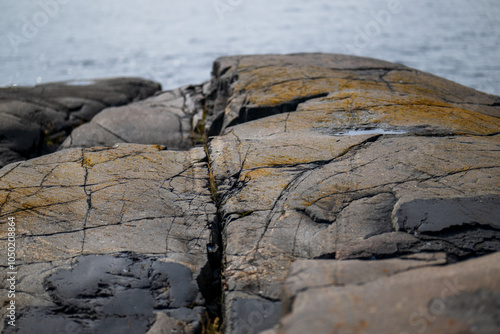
point(363, 99)
point(289, 91)
point(281, 158)
point(150, 158)
point(159, 147)
point(99, 155)
point(256, 174)
point(421, 90)
point(47, 198)
point(268, 76)
point(265, 174)
point(90, 160)
point(45, 210)
point(425, 83)
point(362, 85)
point(374, 108)
point(459, 121)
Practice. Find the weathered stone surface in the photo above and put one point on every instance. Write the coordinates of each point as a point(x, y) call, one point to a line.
point(336, 188)
point(252, 315)
point(108, 233)
point(115, 294)
point(393, 296)
point(165, 324)
point(36, 120)
point(251, 87)
point(347, 205)
point(346, 163)
point(166, 119)
point(436, 214)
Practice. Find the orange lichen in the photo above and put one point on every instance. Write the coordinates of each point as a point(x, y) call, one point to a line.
point(355, 108)
point(256, 174)
point(292, 90)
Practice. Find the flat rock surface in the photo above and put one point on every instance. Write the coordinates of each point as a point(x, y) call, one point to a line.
point(104, 233)
point(393, 296)
point(36, 120)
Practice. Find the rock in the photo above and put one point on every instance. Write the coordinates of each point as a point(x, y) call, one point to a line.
point(18, 136)
point(436, 214)
point(253, 315)
point(165, 324)
point(336, 193)
point(106, 237)
point(337, 157)
point(119, 292)
point(36, 120)
point(393, 296)
point(251, 87)
point(165, 119)
point(343, 205)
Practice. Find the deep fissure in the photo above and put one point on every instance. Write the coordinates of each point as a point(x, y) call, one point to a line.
point(213, 293)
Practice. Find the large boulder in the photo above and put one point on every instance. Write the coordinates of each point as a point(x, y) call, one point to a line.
point(36, 120)
point(168, 119)
point(338, 157)
point(245, 88)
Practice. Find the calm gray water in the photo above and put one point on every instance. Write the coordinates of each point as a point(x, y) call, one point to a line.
point(175, 41)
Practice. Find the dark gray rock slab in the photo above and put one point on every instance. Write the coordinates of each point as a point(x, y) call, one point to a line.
point(115, 294)
point(437, 214)
point(36, 120)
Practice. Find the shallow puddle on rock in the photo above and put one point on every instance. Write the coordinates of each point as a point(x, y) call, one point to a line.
point(357, 132)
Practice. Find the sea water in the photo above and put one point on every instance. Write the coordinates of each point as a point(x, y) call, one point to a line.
point(175, 41)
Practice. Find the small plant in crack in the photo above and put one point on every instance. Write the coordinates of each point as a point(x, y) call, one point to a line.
point(244, 214)
point(212, 326)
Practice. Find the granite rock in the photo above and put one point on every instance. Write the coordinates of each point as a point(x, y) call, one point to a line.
point(110, 235)
point(335, 194)
point(401, 295)
point(116, 294)
point(337, 157)
point(168, 119)
point(245, 88)
point(36, 120)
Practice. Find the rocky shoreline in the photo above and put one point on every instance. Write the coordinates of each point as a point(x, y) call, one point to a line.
point(292, 193)
point(35, 120)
